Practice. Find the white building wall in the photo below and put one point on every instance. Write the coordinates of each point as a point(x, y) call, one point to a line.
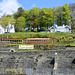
point(12, 30)
point(1, 29)
point(60, 30)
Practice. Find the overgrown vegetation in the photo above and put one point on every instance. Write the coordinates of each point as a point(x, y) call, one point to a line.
point(57, 38)
point(23, 35)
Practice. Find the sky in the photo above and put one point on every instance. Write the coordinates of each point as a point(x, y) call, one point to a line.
point(11, 6)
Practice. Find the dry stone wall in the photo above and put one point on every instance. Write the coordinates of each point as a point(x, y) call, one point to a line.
point(40, 60)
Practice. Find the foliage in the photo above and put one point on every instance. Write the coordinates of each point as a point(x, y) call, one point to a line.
point(60, 37)
point(46, 17)
point(38, 18)
point(72, 23)
point(32, 34)
point(5, 20)
point(20, 70)
point(35, 30)
point(32, 18)
point(11, 71)
point(66, 14)
point(43, 28)
point(58, 15)
point(19, 13)
point(20, 23)
point(67, 40)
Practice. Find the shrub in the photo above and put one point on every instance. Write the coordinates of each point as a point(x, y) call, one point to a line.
point(43, 28)
point(35, 30)
point(47, 29)
point(46, 36)
point(29, 30)
point(11, 71)
point(20, 70)
point(23, 30)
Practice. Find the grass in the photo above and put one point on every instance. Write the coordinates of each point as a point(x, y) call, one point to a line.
point(27, 50)
point(22, 35)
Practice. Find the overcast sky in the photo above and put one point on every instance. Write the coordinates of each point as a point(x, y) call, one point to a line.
point(11, 6)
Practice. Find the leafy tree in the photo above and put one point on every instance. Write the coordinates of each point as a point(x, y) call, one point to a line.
point(20, 23)
point(73, 23)
point(5, 20)
point(66, 14)
point(58, 15)
point(19, 13)
point(46, 17)
point(26, 13)
point(15, 15)
point(32, 19)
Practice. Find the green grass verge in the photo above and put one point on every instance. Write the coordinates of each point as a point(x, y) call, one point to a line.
point(22, 35)
point(27, 50)
point(56, 35)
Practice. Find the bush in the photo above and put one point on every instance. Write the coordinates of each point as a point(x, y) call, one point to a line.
point(46, 36)
point(43, 29)
point(47, 29)
point(35, 30)
point(66, 41)
point(29, 30)
point(23, 30)
point(11, 71)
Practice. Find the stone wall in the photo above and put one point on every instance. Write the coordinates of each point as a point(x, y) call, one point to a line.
point(40, 60)
point(4, 43)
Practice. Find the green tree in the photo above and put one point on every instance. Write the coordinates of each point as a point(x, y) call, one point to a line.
point(46, 17)
point(32, 18)
point(26, 13)
point(5, 20)
point(58, 15)
point(15, 15)
point(20, 23)
point(66, 14)
point(19, 13)
point(73, 23)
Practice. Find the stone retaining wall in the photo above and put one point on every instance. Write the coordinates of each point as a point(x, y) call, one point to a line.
point(39, 60)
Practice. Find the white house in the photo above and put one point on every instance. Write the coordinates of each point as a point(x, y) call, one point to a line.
point(60, 28)
point(9, 28)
